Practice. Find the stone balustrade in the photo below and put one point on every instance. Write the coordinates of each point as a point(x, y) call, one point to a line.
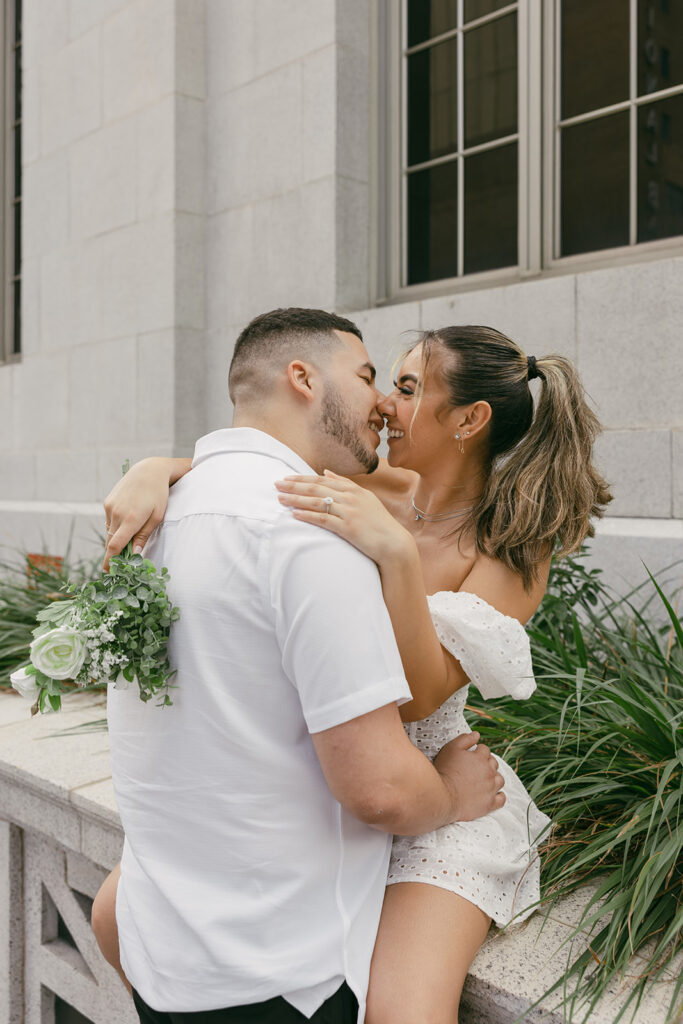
point(60, 833)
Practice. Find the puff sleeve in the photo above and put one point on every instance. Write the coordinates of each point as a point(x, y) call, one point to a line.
point(492, 648)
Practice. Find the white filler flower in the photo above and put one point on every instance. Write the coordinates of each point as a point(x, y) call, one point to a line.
point(25, 684)
point(60, 653)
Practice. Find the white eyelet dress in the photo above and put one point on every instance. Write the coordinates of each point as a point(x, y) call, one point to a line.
point(492, 861)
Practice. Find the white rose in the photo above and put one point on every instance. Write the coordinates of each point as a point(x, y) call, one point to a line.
point(25, 684)
point(60, 653)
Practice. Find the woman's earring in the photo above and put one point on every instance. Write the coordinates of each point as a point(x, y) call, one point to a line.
point(461, 443)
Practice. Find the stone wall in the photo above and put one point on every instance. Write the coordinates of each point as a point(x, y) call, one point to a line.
point(112, 291)
point(287, 195)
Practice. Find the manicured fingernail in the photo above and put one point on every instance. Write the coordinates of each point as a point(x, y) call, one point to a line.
point(137, 550)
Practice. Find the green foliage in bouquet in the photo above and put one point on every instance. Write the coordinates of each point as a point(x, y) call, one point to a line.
point(115, 628)
point(84, 628)
point(599, 747)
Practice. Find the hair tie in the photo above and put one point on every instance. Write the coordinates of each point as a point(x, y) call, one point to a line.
point(531, 367)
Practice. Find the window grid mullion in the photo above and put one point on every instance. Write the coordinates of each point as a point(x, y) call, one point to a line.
point(15, 340)
point(6, 286)
point(530, 138)
point(557, 148)
point(633, 123)
point(460, 263)
point(447, 158)
point(616, 108)
point(461, 27)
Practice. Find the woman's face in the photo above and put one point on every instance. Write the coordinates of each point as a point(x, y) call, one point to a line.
point(416, 437)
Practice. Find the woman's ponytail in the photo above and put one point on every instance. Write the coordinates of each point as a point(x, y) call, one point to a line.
point(541, 496)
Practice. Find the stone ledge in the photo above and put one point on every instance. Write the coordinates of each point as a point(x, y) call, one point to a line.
point(60, 786)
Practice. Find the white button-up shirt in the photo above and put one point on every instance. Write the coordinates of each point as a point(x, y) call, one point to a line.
point(242, 877)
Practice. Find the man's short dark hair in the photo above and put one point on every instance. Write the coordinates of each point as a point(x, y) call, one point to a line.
point(273, 339)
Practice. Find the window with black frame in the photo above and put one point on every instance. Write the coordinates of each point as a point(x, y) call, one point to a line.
point(460, 170)
point(619, 123)
point(11, 120)
point(599, 142)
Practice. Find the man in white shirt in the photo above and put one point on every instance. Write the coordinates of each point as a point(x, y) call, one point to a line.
point(259, 808)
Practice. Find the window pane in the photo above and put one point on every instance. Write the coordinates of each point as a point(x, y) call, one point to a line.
point(432, 102)
point(491, 81)
point(429, 18)
point(491, 209)
point(478, 8)
point(660, 169)
point(595, 200)
point(660, 45)
point(595, 54)
point(432, 223)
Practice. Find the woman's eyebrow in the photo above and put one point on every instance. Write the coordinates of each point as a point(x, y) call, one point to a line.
point(407, 376)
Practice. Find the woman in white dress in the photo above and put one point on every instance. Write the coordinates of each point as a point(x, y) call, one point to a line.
point(477, 492)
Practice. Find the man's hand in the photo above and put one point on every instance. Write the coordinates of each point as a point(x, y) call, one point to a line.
point(470, 771)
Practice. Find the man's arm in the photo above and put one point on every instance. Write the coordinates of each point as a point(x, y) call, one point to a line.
point(376, 773)
point(339, 651)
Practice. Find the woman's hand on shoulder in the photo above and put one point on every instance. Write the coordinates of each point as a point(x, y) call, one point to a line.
point(354, 513)
point(503, 588)
point(136, 504)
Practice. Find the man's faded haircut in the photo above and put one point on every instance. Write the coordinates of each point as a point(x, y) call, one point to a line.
point(272, 340)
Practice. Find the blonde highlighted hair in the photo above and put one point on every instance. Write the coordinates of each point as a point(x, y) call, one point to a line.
point(542, 489)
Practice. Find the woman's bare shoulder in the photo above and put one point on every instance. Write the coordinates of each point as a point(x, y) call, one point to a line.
point(503, 588)
point(388, 480)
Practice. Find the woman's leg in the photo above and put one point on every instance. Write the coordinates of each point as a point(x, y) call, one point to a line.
point(427, 939)
point(103, 921)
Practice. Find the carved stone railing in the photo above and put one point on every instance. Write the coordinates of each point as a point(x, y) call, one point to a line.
point(60, 833)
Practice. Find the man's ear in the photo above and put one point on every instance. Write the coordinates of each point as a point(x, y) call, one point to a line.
point(300, 377)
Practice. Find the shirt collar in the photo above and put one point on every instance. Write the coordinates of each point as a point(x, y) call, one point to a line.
point(248, 439)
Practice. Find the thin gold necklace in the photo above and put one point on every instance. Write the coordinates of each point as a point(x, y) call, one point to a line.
point(437, 517)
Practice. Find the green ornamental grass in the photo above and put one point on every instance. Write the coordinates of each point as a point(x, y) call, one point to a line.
point(599, 748)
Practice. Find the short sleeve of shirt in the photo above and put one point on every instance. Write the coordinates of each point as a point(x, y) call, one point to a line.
point(332, 625)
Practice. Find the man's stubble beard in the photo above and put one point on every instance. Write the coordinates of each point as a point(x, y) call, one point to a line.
point(336, 423)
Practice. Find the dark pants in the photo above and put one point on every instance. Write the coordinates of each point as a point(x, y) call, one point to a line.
point(341, 1008)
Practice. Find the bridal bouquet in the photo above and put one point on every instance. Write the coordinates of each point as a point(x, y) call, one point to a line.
point(113, 629)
